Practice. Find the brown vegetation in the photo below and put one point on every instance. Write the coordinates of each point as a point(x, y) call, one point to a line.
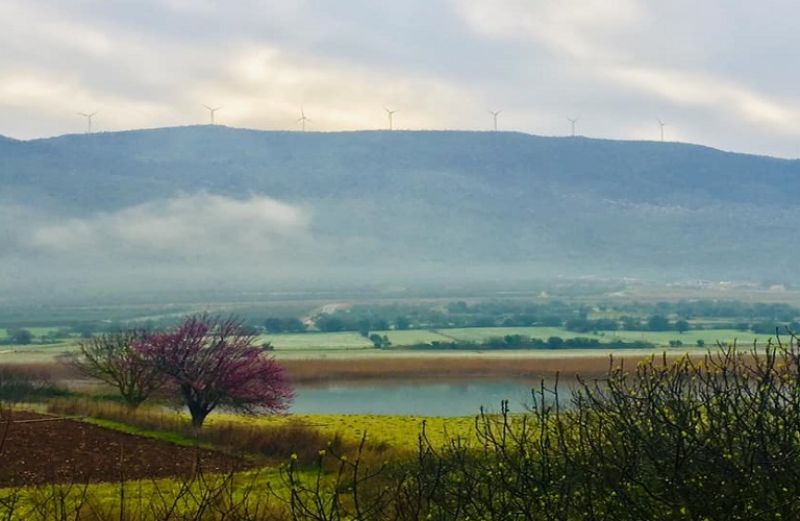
point(316, 370)
point(39, 371)
point(323, 370)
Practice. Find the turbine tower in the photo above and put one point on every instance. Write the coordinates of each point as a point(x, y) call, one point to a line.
point(573, 122)
point(494, 114)
point(390, 113)
point(303, 119)
point(211, 112)
point(88, 120)
point(661, 124)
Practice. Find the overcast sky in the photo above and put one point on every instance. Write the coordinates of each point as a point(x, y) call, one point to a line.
point(717, 72)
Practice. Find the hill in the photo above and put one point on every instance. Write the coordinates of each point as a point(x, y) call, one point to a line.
point(390, 206)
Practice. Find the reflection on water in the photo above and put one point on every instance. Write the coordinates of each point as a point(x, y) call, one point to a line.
point(415, 398)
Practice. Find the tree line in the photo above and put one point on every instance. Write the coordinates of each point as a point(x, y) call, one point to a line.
point(527, 342)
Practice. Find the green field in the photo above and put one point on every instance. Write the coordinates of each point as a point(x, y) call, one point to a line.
point(415, 336)
point(348, 339)
point(659, 338)
point(482, 334)
point(34, 353)
point(317, 341)
point(478, 335)
point(341, 344)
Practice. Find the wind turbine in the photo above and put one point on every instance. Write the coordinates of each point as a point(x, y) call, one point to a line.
point(573, 122)
point(662, 125)
point(303, 119)
point(88, 120)
point(390, 113)
point(212, 111)
point(494, 114)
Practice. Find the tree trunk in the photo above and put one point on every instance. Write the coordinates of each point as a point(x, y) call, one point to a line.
point(198, 416)
point(196, 408)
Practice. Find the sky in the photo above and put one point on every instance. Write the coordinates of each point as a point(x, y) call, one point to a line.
point(718, 72)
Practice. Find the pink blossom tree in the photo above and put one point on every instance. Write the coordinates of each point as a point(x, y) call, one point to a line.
point(214, 362)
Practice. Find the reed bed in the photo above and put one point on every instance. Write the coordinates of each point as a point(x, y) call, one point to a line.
point(309, 371)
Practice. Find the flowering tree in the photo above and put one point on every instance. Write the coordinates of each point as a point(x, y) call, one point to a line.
point(115, 359)
point(214, 362)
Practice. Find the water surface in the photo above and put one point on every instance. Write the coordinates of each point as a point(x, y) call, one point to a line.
point(414, 397)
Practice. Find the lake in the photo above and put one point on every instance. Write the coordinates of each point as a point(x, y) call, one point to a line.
point(414, 397)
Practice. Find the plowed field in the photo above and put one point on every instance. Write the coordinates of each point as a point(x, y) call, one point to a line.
point(58, 451)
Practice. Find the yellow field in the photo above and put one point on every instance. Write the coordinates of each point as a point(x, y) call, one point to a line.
point(147, 499)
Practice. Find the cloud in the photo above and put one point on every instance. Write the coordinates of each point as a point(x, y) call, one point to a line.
point(264, 86)
point(716, 70)
point(711, 93)
point(197, 227)
point(567, 26)
point(587, 32)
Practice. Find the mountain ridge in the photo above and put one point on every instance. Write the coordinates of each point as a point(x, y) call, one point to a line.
point(399, 202)
point(178, 128)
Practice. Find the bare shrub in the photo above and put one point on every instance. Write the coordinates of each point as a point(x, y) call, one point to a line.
point(115, 359)
point(28, 383)
point(715, 438)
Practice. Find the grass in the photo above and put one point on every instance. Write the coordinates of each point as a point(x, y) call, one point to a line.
point(276, 437)
point(267, 442)
point(317, 341)
point(175, 438)
point(481, 334)
point(233, 495)
point(414, 336)
point(709, 336)
point(397, 432)
point(34, 354)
